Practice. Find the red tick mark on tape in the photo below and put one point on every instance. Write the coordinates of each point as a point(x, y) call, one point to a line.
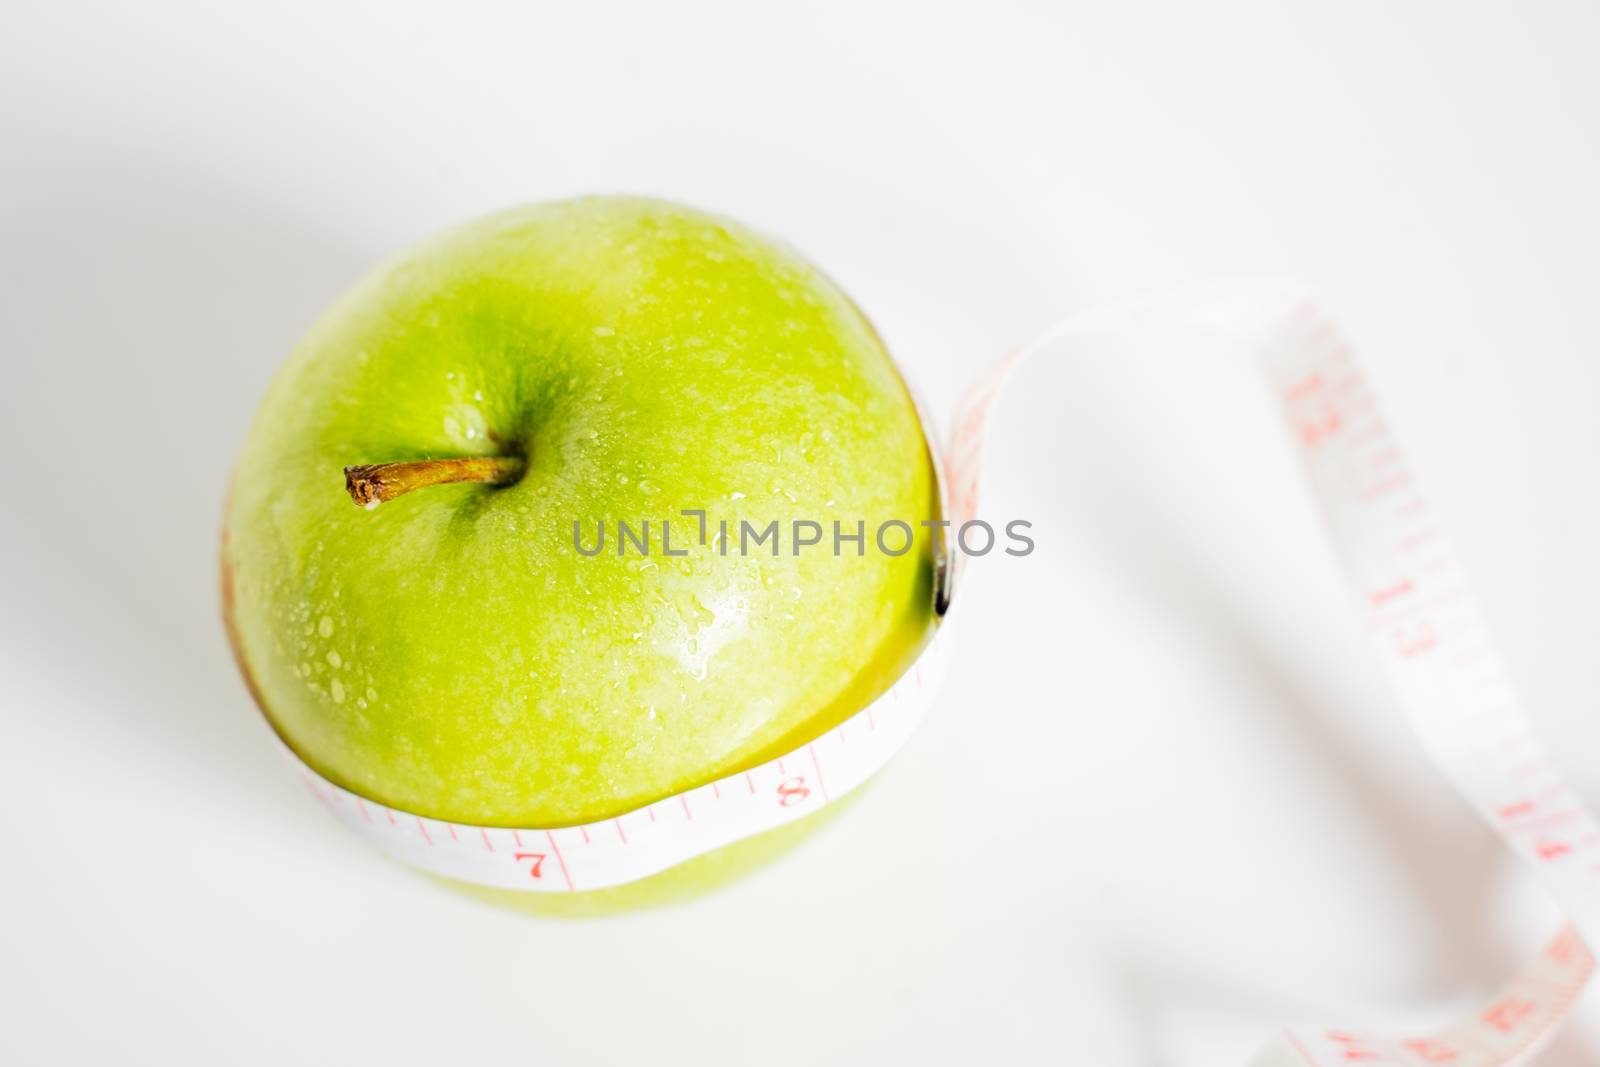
point(1552, 850)
point(1304, 387)
point(486, 842)
point(1432, 1051)
point(687, 814)
point(321, 798)
point(1353, 1050)
point(822, 785)
point(1504, 1015)
point(620, 834)
point(425, 835)
point(1566, 948)
point(559, 858)
point(1398, 589)
point(1294, 1042)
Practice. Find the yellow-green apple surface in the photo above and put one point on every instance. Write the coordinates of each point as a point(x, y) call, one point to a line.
point(450, 651)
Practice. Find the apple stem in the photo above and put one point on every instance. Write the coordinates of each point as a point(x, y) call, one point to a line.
point(372, 484)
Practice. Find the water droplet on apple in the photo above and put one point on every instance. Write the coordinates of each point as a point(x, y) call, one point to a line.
point(337, 689)
point(695, 615)
point(334, 659)
point(325, 627)
point(603, 331)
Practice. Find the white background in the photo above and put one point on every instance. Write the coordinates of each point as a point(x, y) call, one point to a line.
point(1164, 803)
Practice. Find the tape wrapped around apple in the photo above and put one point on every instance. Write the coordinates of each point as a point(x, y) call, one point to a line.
point(501, 397)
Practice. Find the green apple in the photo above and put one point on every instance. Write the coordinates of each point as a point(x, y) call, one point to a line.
point(451, 651)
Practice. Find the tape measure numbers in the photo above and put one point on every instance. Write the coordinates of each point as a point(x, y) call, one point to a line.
point(1425, 625)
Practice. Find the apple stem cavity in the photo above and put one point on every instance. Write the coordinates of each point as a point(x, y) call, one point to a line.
point(372, 484)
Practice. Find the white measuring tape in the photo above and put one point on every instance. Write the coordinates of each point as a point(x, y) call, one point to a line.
point(1425, 624)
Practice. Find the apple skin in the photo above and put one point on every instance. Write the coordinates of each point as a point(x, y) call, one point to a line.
point(450, 652)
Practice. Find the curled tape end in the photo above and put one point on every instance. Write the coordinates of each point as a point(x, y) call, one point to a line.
point(1427, 633)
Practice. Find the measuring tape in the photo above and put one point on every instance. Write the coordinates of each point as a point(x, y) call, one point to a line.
point(1425, 624)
